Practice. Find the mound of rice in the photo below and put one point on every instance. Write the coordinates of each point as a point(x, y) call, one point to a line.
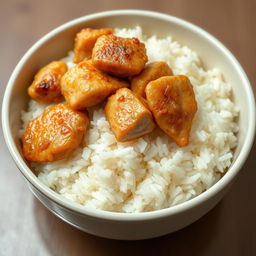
point(151, 172)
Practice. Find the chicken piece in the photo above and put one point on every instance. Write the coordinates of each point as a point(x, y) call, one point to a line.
point(119, 56)
point(85, 40)
point(54, 134)
point(151, 72)
point(46, 85)
point(172, 101)
point(85, 86)
point(129, 118)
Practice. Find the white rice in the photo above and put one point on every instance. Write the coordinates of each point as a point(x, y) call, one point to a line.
point(151, 172)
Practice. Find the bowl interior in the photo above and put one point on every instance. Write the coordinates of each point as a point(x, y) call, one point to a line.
point(57, 43)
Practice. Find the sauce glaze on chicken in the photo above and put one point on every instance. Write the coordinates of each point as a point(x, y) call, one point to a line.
point(116, 64)
point(46, 85)
point(85, 41)
point(54, 134)
point(86, 86)
point(129, 118)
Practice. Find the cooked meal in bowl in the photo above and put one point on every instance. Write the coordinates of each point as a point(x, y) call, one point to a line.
point(128, 123)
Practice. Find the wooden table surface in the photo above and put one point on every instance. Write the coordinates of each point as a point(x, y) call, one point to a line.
point(28, 228)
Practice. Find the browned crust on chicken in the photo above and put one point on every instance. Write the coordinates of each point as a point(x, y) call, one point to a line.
point(54, 134)
point(129, 118)
point(85, 40)
point(151, 72)
point(172, 101)
point(85, 86)
point(46, 85)
point(119, 56)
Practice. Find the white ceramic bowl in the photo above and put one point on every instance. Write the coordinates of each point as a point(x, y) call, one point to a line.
point(55, 45)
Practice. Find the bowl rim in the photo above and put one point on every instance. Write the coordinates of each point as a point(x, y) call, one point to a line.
point(117, 216)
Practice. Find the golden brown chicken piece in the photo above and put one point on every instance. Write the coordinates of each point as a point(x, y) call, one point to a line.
point(119, 56)
point(46, 85)
point(129, 118)
point(85, 40)
point(85, 86)
point(151, 72)
point(172, 101)
point(54, 134)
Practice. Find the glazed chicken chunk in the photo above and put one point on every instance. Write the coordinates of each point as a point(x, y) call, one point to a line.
point(172, 101)
point(151, 72)
point(46, 85)
point(85, 86)
point(85, 40)
point(129, 118)
point(54, 134)
point(119, 56)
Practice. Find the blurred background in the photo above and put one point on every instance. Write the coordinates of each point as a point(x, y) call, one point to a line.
point(27, 228)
